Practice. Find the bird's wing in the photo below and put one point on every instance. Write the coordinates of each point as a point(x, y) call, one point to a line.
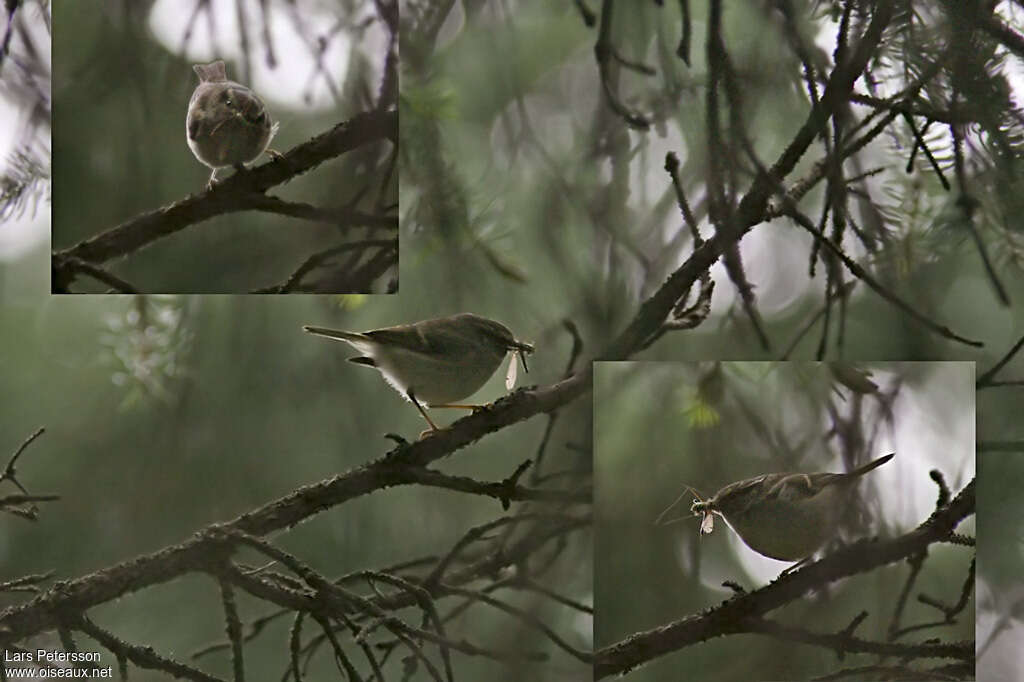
point(741, 490)
point(408, 338)
point(802, 486)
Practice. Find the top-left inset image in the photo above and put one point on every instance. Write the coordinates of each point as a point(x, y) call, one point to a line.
point(225, 146)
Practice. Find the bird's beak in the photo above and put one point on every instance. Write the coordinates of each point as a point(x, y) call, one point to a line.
point(323, 331)
point(522, 349)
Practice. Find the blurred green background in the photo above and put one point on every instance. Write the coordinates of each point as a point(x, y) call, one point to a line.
point(660, 426)
point(1000, 555)
point(122, 82)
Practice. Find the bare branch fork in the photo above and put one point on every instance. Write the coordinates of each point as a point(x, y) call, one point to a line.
point(22, 504)
point(242, 191)
point(989, 380)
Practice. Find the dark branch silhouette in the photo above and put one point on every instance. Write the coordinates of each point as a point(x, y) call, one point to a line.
point(245, 190)
point(744, 613)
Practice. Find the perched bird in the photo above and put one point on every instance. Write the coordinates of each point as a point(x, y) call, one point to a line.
point(434, 363)
point(227, 123)
point(784, 516)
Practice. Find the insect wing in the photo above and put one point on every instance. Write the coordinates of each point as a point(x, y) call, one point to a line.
point(510, 376)
point(707, 524)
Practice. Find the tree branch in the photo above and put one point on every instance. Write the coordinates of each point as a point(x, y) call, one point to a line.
point(398, 467)
point(734, 616)
point(240, 192)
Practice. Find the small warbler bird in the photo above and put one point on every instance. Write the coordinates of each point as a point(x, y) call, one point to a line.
point(435, 363)
point(227, 123)
point(784, 516)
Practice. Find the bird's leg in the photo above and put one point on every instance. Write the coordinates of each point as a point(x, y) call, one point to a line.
point(419, 407)
point(212, 180)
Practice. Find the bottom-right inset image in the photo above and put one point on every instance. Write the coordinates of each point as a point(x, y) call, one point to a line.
point(761, 521)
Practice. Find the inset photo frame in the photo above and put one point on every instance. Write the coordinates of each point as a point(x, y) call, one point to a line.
point(225, 147)
point(857, 478)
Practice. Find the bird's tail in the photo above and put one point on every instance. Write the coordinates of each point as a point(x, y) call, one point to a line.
point(872, 465)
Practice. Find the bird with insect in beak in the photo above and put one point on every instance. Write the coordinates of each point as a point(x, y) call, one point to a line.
point(436, 363)
point(786, 516)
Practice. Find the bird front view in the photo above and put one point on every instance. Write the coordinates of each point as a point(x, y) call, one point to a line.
point(435, 363)
point(227, 123)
